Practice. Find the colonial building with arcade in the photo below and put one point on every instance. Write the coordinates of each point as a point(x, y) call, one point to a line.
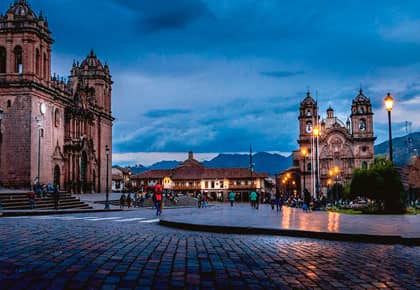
point(192, 177)
point(53, 129)
point(329, 148)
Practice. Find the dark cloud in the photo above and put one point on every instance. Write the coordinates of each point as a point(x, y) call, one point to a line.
point(281, 74)
point(165, 113)
point(156, 15)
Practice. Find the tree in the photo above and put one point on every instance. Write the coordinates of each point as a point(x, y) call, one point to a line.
point(381, 182)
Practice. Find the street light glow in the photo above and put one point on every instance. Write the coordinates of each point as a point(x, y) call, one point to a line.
point(316, 131)
point(389, 102)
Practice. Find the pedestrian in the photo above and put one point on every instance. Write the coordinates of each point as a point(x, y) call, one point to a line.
point(158, 198)
point(199, 200)
point(31, 196)
point(272, 199)
point(56, 196)
point(204, 201)
point(279, 202)
point(253, 198)
point(142, 198)
point(231, 198)
point(122, 200)
point(306, 200)
point(129, 200)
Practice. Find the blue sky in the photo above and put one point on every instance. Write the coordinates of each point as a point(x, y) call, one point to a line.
point(217, 75)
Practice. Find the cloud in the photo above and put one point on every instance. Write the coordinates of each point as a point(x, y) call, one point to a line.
point(164, 113)
point(157, 15)
point(281, 74)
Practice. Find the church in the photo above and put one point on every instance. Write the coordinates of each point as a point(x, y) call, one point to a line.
point(51, 129)
point(329, 148)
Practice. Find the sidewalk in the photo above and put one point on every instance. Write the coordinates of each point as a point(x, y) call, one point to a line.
point(242, 219)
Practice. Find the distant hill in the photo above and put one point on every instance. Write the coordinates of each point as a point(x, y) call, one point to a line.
point(270, 163)
point(400, 148)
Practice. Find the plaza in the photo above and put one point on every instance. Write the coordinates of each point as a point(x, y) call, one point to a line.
point(130, 249)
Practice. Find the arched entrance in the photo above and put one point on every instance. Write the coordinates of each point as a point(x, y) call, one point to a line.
point(57, 176)
point(83, 172)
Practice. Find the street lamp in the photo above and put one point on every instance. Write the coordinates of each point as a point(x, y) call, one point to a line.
point(39, 124)
point(304, 153)
point(316, 135)
point(107, 177)
point(389, 102)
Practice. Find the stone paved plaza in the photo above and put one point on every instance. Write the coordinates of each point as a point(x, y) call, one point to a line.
point(130, 250)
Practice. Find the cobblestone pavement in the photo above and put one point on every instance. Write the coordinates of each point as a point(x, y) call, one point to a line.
point(129, 250)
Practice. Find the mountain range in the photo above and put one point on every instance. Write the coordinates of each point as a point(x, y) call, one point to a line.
point(273, 163)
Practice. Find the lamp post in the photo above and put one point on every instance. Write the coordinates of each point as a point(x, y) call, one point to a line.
point(316, 135)
point(328, 187)
point(336, 171)
point(304, 153)
point(389, 102)
point(39, 124)
point(107, 177)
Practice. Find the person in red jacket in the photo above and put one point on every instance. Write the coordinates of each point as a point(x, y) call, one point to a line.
point(158, 197)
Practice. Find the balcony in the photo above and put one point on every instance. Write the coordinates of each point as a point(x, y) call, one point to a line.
point(187, 188)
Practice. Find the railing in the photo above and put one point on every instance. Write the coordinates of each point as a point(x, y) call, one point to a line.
point(184, 187)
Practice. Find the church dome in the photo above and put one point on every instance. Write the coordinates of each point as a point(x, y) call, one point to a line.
point(361, 98)
point(21, 10)
point(92, 62)
point(308, 100)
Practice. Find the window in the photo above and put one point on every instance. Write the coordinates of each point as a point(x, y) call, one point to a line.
point(212, 184)
point(57, 118)
point(44, 69)
point(37, 63)
point(18, 60)
point(206, 184)
point(2, 60)
point(308, 127)
point(309, 166)
point(9, 103)
point(364, 165)
point(362, 125)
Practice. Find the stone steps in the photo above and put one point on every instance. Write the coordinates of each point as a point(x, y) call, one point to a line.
point(20, 201)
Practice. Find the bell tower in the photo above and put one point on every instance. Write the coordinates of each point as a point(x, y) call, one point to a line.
point(308, 118)
point(362, 130)
point(361, 117)
point(25, 45)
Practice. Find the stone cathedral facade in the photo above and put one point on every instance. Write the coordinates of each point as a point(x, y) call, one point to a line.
point(342, 146)
point(52, 129)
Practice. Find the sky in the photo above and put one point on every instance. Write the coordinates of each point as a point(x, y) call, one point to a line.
point(215, 76)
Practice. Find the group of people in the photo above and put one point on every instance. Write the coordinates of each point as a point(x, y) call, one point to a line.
point(41, 191)
point(202, 200)
point(136, 201)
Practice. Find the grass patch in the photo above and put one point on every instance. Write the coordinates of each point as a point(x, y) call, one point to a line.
point(346, 211)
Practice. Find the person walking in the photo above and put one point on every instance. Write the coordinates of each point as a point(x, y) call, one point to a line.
point(279, 202)
point(272, 199)
point(122, 200)
point(231, 198)
point(253, 198)
point(56, 196)
point(306, 200)
point(158, 199)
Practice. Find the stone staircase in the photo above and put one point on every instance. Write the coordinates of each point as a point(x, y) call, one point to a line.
point(20, 201)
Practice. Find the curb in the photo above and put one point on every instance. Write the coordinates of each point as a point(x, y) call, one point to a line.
point(364, 238)
point(53, 212)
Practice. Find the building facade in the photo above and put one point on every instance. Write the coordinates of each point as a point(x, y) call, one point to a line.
point(192, 177)
point(53, 130)
point(331, 149)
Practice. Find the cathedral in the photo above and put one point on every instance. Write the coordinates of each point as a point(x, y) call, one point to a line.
point(330, 149)
point(53, 130)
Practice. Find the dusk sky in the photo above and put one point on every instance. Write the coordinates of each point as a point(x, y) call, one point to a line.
point(218, 75)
